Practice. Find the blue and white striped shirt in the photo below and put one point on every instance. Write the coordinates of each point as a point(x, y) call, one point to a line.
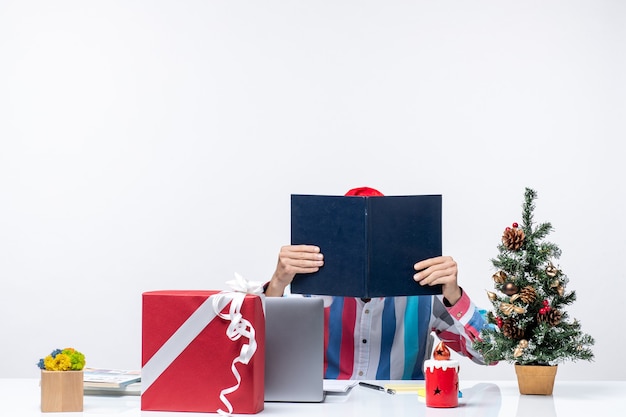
point(386, 338)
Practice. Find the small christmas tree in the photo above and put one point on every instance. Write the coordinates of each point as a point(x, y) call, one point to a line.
point(529, 324)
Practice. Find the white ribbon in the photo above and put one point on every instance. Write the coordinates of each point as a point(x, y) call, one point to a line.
point(197, 321)
point(240, 284)
point(238, 327)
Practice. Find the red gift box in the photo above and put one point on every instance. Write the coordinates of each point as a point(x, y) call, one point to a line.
point(189, 363)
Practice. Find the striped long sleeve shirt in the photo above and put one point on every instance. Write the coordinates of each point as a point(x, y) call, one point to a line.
point(386, 338)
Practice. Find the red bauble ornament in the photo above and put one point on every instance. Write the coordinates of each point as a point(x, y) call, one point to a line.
point(515, 225)
point(499, 321)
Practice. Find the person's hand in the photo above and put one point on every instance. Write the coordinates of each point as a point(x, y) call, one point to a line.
point(439, 270)
point(292, 260)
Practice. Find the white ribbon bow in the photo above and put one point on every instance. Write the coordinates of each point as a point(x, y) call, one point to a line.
point(238, 327)
point(240, 284)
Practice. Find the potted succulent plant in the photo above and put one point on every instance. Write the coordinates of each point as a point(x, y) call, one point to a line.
point(62, 380)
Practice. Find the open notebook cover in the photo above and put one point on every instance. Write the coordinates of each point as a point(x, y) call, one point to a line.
point(370, 244)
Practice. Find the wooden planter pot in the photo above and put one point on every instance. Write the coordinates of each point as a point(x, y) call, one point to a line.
point(535, 380)
point(61, 391)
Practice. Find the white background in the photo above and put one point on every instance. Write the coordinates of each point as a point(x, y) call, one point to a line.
point(154, 145)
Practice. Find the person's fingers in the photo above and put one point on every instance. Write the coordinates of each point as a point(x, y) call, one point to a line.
point(439, 270)
point(440, 276)
point(305, 253)
point(432, 262)
point(300, 259)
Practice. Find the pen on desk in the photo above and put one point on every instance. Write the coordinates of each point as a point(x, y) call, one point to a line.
point(377, 387)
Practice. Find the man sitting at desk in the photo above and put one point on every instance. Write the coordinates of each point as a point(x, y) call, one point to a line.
point(386, 338)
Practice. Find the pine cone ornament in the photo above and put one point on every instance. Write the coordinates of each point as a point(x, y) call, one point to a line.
point(551, 316)
point(528, 294)
point(513, 238)
point(511, 330)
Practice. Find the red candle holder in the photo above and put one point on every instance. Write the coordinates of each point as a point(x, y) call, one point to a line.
point(442, 383)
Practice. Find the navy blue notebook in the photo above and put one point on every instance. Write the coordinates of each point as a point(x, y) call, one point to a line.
point(370, 244)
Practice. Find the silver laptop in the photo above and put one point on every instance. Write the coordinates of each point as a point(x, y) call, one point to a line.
point(294, 349)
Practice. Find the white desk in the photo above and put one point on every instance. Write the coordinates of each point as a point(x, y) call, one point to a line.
point(21, 398)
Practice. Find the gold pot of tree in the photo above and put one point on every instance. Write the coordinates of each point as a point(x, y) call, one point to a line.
point(529, 325)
